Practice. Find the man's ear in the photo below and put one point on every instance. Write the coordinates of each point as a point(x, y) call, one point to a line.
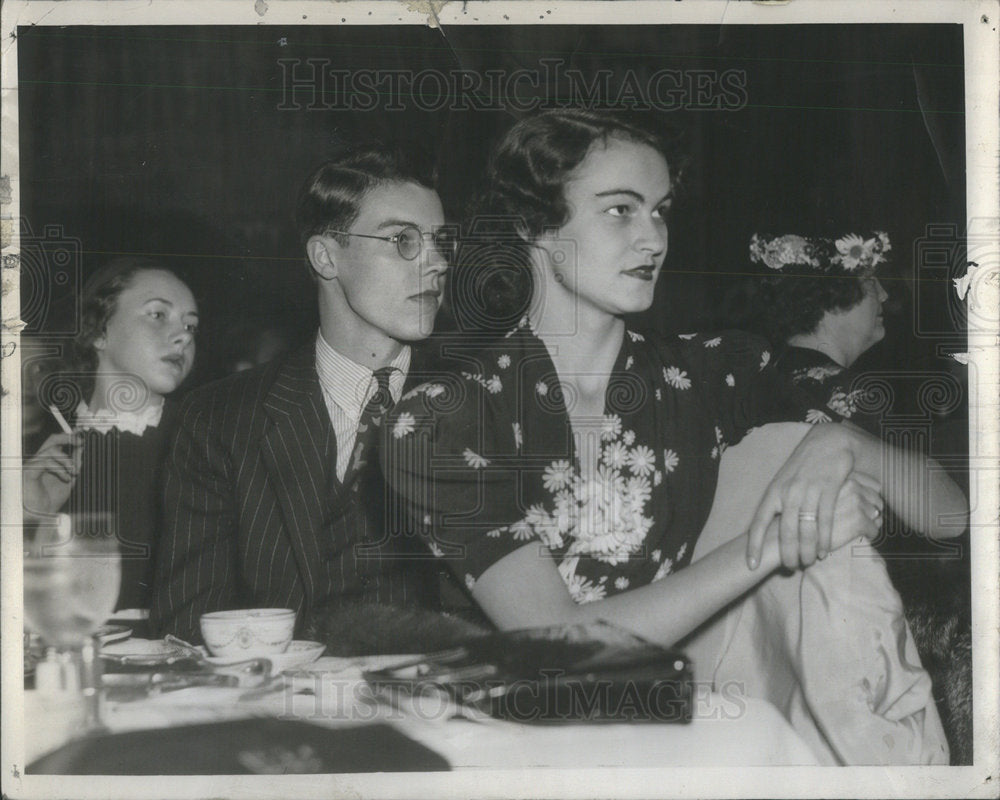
point(322, 257)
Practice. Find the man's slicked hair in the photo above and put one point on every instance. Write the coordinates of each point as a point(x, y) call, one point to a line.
point(331, 197)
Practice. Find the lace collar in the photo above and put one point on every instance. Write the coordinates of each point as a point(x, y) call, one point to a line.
point(127, 421)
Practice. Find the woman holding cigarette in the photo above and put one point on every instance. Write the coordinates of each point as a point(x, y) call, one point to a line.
point(569, 473)
point(136, 345)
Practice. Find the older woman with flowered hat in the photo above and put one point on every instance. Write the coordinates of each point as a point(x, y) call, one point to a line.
point(819, 301)
point(822, 299)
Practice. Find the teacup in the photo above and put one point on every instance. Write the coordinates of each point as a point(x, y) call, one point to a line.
point(249, 632)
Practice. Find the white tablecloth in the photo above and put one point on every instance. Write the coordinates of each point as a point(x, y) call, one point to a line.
point(726, 731)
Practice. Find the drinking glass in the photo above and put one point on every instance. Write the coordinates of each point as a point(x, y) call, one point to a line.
point(72, 573)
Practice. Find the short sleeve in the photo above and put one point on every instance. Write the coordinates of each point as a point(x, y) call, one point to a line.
point(737, 377)
point(451, 452)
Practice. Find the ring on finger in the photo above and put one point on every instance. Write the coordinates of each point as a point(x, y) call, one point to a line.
point(807, 516)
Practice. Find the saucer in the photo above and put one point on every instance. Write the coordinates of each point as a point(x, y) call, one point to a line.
point(298, 654)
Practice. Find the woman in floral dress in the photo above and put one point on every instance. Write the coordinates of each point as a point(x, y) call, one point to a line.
point(566, 473)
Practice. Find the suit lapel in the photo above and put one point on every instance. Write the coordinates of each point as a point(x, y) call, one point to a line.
point(298, 450)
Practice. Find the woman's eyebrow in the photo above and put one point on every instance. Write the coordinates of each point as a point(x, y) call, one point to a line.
point(629, 192)
point(168, 303)
point(632, 193)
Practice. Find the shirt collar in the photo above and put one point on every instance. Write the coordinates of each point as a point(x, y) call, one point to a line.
point(128, 421)
point(349, 384)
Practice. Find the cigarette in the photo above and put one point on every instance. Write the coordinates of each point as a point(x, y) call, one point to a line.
point(60, 419)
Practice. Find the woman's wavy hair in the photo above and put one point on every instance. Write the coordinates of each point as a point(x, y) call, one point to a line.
point(523, 197)
point(795, 301)
point(99, 301)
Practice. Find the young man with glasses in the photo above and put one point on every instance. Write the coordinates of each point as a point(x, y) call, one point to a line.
point(273, 493)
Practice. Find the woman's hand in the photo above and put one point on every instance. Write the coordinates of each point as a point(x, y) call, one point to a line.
point(858, 511)
point(49, 475)
point(804, 495)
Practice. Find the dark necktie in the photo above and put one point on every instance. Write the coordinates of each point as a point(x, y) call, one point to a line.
point(370, 421)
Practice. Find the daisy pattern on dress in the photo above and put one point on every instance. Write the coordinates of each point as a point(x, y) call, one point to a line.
point(659, 395)
point(504, 361)
point(715, 453)
point(676, 378)
point(469, 581)
point(539, 522)
point(518, 438)
point(621, 583)
point(670, 460)
point(495, 533)
point(557, 475)
point(611, 427)
point(765, 357)
point(642, 460)
point(682, 551)
point(686, 335)
point(580, 588)
point(523, 529)
point(730, 380)
point(474, 460)
point(814, 416)
point(663, 570)
point(657, 478)
point(628, 438)
point(436, 551)
point(432, 390)
point(542, 388)
point(629, 362)
point(615, 455)
point(713, 342)
point(820, 373)
point(491, 385)
point(638, 491)
point(636, 337)
point(404, 425)
point(843, 403)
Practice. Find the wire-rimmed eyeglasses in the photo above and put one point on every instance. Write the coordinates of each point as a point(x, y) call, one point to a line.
point(410, 241)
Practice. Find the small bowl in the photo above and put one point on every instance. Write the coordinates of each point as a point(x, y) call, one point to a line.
point(248, 632)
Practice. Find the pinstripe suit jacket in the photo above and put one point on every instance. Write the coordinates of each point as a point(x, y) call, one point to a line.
point(255, 515)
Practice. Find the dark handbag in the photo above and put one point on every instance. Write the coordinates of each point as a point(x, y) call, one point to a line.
point(568, 673)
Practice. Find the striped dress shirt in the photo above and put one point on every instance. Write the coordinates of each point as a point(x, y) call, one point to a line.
point(347, 388)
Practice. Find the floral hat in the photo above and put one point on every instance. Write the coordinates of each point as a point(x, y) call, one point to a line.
point(849, 254)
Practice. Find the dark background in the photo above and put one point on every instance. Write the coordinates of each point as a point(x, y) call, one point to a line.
point(170, 141)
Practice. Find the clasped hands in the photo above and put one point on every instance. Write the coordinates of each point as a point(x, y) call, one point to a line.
point(820, 501)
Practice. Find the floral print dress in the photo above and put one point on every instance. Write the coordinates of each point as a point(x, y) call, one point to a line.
point(833, 388)
point(488, 462)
